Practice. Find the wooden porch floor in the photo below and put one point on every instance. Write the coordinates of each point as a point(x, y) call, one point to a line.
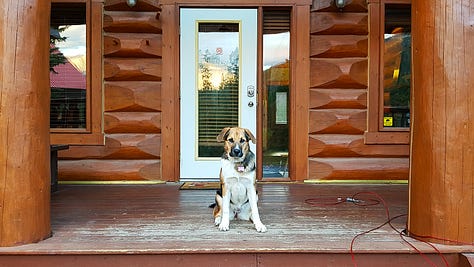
point(160, 225)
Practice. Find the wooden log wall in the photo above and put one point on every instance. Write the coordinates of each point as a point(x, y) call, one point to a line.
point(338, 100)
point(132, 99)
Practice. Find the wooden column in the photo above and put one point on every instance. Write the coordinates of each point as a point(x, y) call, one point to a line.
point(24, 122)
point(442, 158)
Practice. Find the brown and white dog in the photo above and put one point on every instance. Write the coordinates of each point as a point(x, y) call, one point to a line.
point(238, 196)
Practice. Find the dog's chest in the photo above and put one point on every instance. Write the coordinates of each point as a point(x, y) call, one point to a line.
point(237, 182)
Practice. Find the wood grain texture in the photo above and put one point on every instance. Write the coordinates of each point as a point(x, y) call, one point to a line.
point(337, 121)
point(128, 22)
point(170, 95)
point(299, 115)
point(339, 73)
point(338, 98)
point(358, 168)
point(342, 145)
point(131, 69)
point(24, 129)
point(339, 23)
point(109, 170)
point(141, 5)
point(162, 226)
point(339, 46)
point(118, 146)
point(132, 45)
point(140, 96)
point(442, 162)
point(329, 6)
point(132, 122)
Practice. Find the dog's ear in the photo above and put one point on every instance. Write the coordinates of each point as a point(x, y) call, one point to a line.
point(250, 136)
point(223, 135)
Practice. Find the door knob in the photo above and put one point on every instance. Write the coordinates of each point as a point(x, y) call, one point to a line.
point(250, 104)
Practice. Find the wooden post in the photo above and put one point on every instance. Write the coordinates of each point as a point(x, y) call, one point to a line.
point(24, 122)
point(442, 158)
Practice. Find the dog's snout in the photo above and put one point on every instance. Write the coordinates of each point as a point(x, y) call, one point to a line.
point(236, 152)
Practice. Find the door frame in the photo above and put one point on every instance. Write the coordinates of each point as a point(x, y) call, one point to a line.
point(299, 99)
point(207, 168)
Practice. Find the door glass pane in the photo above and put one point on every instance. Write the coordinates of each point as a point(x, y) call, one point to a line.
point(397, 65)
point(218, 84)
point(276, 86)
point(68, 65)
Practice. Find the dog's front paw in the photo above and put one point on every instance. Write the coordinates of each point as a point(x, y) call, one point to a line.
point(224, 226)
point(260, 227)
point(217, 220)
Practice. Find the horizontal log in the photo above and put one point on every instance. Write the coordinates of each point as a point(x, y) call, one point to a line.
point(358, 168)
point(132, 122)
point(338, 98)
point(128, 21)
point(339, 73)
point(118, 146)
point(340, 145)
point(132, 96)
point(337, 121)
point(340, 23)
point(141, 5)
point(339, 46)
point(329, 6)
point(108, 170)
point(132, 69)
point(132, 45)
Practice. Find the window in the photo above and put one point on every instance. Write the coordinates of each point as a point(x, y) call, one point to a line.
point(276, 90)
point(389, 72)
point(75, 67)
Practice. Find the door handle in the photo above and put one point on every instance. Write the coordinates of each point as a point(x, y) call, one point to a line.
point(250, 91)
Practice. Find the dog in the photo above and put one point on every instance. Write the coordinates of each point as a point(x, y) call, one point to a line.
point(237, 198)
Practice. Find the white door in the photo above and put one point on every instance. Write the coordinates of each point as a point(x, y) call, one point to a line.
point(218, 66)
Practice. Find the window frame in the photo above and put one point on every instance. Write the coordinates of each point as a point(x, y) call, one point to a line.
point(376, 133)
point(93, 133)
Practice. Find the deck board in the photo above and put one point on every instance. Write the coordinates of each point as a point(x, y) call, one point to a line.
point(163, 220)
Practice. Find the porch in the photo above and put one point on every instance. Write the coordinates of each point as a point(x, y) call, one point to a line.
point(160, 225)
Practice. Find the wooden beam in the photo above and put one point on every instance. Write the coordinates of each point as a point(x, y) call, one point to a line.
point(442, 161)
point(24, 122)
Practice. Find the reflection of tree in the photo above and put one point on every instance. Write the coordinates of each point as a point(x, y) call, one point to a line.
point(400, 87)
point(206, 76)
point(55, 56)
point(231, 81)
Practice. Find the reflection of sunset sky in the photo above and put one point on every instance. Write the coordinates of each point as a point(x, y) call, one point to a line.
point(75, 43)
point(228, 41)
point(74, 48)
point(276, 49)
point(276, 45)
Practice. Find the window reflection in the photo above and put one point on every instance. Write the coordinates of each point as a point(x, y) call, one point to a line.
point(68, 65)
point(276, 86)
point(218, 83)
point(397, 65)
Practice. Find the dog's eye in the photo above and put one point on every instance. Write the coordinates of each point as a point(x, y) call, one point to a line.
point(242, 140)
point(230, 140)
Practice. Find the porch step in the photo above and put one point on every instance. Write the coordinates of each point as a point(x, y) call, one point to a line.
point(468, 259)
point(234, 259)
